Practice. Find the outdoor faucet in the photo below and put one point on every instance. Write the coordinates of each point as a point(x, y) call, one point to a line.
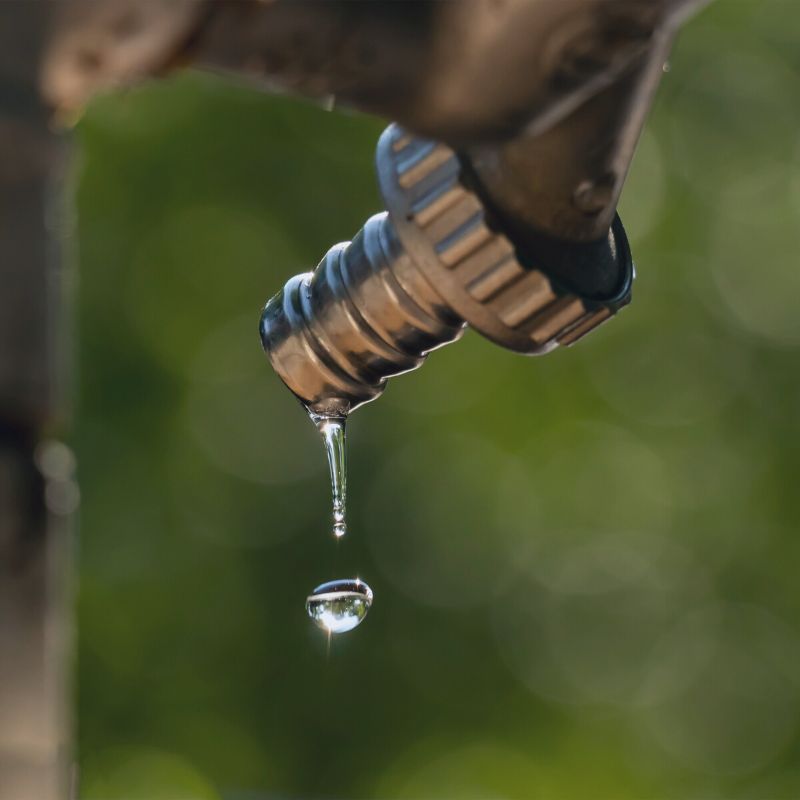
point(519, 122)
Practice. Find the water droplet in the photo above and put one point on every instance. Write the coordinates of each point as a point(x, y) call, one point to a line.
point(333, 435)
point(339, 606)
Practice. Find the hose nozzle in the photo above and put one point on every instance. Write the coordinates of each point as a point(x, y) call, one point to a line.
point(411, 280)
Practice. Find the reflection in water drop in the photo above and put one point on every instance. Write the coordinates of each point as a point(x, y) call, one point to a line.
point(339, 606)
point(333, 435)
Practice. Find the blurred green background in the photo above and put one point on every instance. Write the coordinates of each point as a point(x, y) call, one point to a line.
point(585, 565)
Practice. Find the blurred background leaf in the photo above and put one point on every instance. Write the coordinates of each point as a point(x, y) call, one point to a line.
point(584, 565)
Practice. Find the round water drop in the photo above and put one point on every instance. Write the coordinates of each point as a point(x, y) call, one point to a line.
point(339, 606)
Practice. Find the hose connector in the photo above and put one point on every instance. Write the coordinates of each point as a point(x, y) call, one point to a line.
point(412, 279)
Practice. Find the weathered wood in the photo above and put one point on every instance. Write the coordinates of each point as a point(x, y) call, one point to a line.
point(37, 496)
point(34, 544)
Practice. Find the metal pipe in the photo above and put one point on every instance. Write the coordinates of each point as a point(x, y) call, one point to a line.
point(545, 99)
point(565, 180)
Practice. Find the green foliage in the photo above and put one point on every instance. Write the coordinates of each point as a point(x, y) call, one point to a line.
point(584, 565)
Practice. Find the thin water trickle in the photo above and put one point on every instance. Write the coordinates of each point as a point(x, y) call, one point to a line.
point(339, 606)
point(333, 435)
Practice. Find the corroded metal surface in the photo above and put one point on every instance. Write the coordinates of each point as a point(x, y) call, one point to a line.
point(546, 98)
point(94, 46)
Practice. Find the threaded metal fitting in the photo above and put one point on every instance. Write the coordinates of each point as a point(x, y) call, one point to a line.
point(411, 280)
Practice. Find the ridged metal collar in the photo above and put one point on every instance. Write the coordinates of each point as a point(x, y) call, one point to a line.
point(443, 225)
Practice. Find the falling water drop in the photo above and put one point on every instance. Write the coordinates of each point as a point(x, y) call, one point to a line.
point(333, 435)
point(339, 606)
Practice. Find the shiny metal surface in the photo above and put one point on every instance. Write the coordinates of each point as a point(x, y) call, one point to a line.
point(446, 228)
point(366, 313)
point(410, 280)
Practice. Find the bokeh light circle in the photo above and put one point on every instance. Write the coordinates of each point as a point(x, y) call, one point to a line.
point(722, 691)
point(433, 529)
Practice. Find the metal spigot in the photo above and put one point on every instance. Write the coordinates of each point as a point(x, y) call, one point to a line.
point(412, 279)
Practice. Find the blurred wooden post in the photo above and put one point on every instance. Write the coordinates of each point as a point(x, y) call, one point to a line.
point(37, 491)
